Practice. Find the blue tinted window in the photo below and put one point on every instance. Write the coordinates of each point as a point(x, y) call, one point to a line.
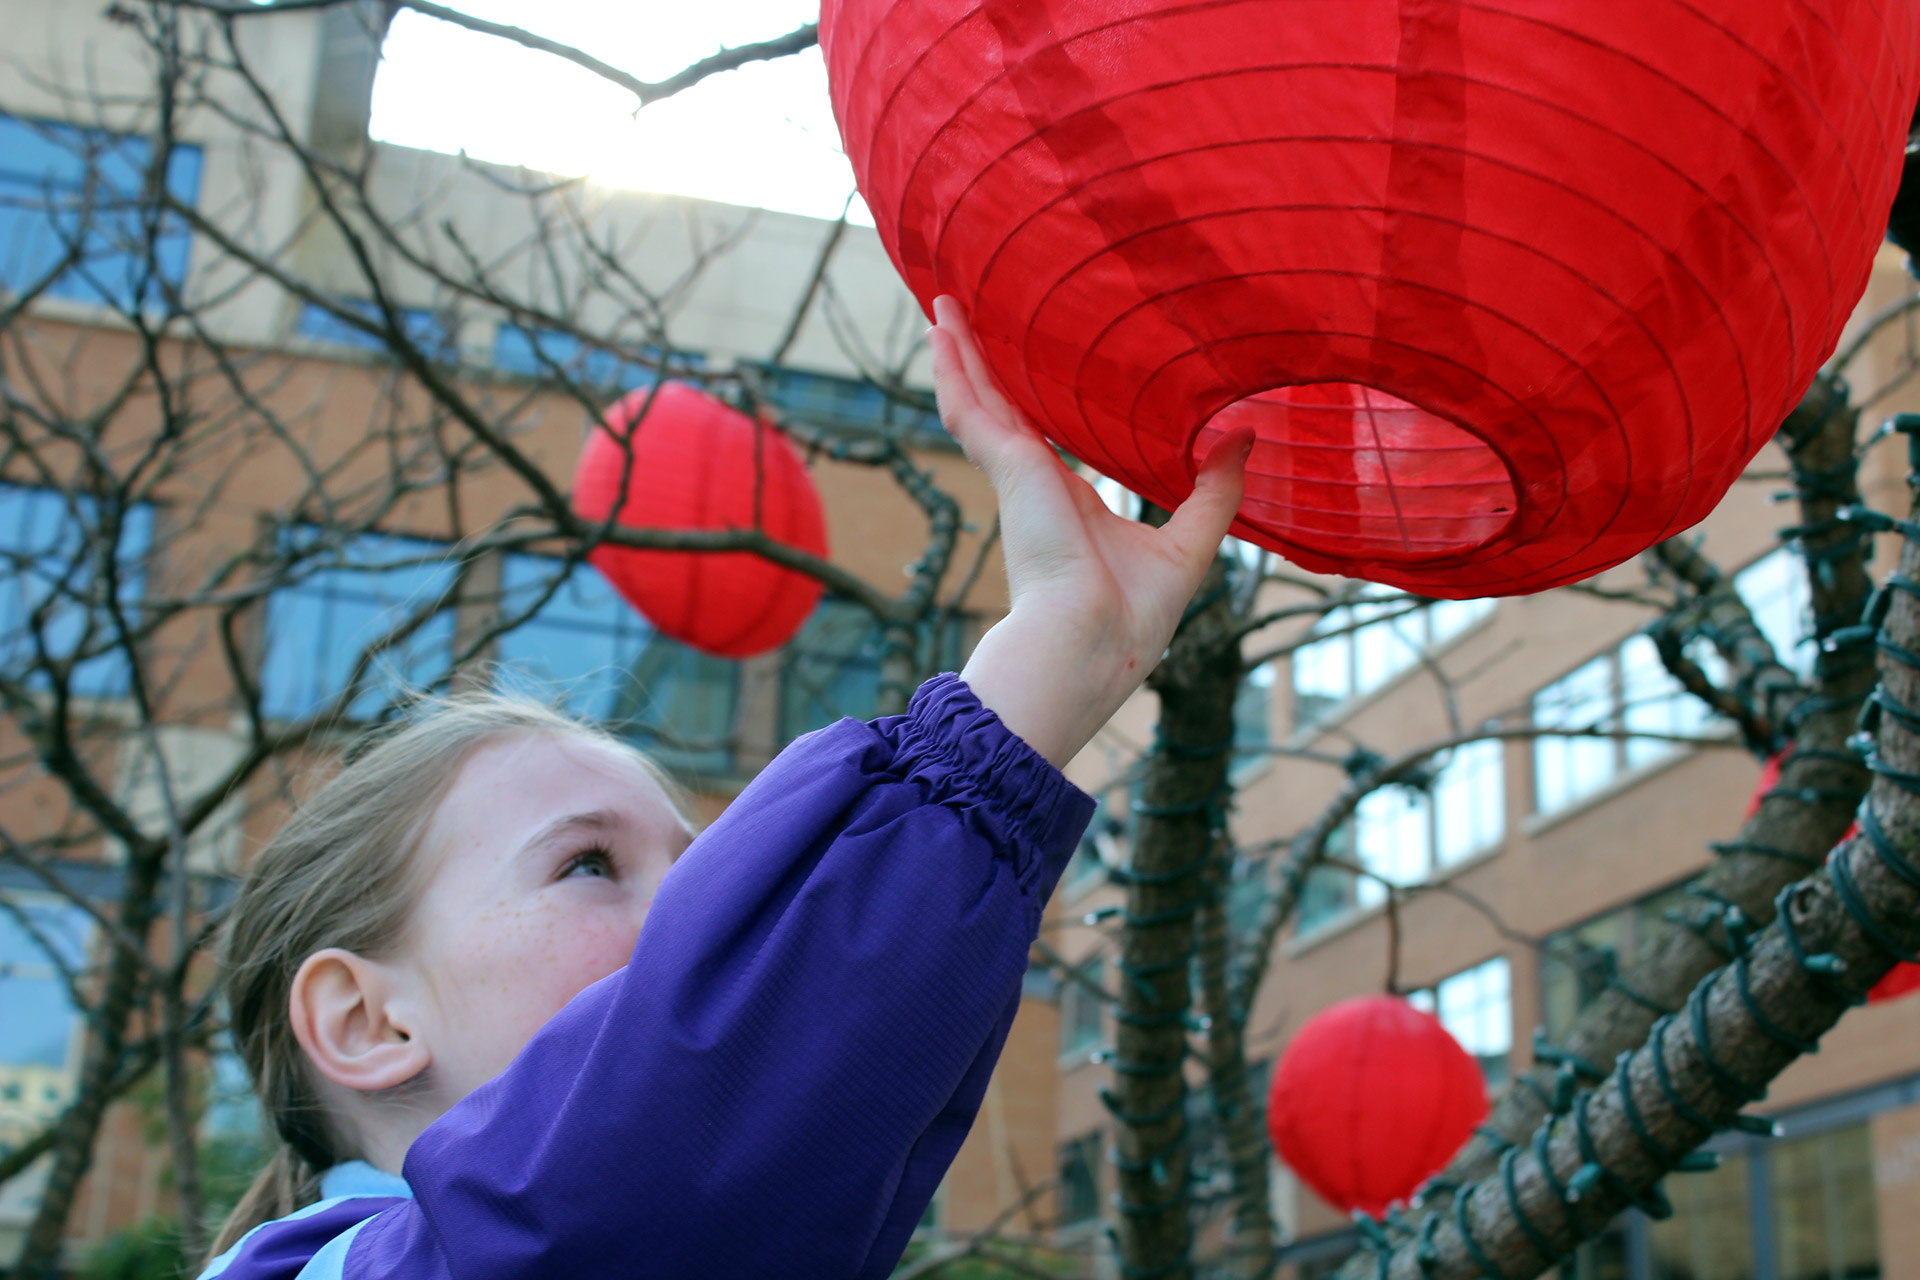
point(41, 1018)
point(318, 627)
point(832, 668)
point(51, 596)
point(71, 191)
point(829, 400)
point(424, 328)
point(601, 658)
point(541, 353)
point(580, 644)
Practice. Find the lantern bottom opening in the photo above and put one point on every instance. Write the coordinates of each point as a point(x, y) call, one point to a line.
point(1350, 472)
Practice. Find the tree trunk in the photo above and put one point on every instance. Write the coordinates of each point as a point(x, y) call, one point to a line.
point(72, 1147)
point(1237, 1113)
point(1182, 817)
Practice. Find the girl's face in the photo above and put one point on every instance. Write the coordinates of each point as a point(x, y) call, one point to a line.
point(547, 853)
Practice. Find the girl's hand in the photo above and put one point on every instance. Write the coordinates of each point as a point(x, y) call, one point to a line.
point(1095, 598)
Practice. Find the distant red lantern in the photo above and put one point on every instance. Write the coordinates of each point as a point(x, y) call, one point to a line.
point(1769, 779)
point(1902, 979)
point(698, 464)
point(1371, 1099)
point(1510, 290)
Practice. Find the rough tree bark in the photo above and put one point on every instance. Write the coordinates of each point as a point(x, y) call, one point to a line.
point(1236, 1112)
point(73, 1139)
point(1182, 816)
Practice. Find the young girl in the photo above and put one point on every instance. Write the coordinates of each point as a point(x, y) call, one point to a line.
point(439, 978)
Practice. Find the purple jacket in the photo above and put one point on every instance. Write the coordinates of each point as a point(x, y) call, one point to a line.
point(777, 1081)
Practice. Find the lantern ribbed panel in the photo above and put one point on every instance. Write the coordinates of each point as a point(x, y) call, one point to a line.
point(1372, 1097)
point(1541, 275)
point(694, 462)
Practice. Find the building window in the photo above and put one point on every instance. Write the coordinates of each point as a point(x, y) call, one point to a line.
point(50, 598)
point(547, 353)
point(1710, 1235)
point(1329, 894)
point(604, 661)
point(75, 193)
point(318, 626)
point(426, 329)
point(1578, 964)
point(1103, 846)
point(1404, 836)
point(1825, 1224)
point(831, 669)
point(1780, 598)
point(1476, 1008)
point(1803, 1207)
point(1083, 1013)
point(42, 941)
point(1376, 641)
point(1080, 1180)
point(580, 643)
point(1252, 723)
point(1040, 982)
point(1625, 690)
point(1820, 1209)
point(849, 404)
point(1469, 802)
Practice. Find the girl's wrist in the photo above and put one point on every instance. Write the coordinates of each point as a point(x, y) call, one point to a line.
point(1051, 684)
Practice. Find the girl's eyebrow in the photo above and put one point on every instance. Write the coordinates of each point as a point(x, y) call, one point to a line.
point(596, 820)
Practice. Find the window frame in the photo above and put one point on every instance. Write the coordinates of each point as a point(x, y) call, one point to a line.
point(82, 934)
point(432, 331)
point(106, 676)
point(813, 396)
point(640, 653)
point(96, 153)
point(1439, 623)
point(551, 353)
point(1434, 999)
point(1578, 769)
point(378, 684)
point(839, 621)
point(1356, 895)
point(1088, 1151)
point(1080, 1035)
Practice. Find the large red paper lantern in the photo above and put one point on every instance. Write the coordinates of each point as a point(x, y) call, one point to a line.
point(1372, 1098)
point(1510, 289)
point(694, 463)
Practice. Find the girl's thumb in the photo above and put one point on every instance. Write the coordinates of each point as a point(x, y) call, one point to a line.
point(1203, 518)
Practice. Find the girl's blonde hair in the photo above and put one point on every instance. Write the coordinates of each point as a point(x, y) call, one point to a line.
point(342, 873)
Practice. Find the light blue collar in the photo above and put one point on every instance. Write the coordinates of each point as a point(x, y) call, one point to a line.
point(358, 1178)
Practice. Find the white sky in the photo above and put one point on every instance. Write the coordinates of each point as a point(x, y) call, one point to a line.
point(763, 135)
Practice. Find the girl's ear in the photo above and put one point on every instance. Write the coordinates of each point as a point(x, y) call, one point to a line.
point(346, 1018)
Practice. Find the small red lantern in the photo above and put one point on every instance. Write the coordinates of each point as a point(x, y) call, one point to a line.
point(1511, 290)
point(698, 464)
point(1371, 1099)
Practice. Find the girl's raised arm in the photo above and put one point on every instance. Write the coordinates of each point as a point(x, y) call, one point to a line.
point(777, 1081)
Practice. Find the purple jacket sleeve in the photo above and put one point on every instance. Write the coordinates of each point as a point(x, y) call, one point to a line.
point(777, 1081)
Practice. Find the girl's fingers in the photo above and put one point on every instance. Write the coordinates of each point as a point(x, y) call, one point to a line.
point(952, 319)
point(1202, 520)
point(991, 431)
point(966, 419)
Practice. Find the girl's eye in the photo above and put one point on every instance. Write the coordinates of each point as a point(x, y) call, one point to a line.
point(595, 862)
